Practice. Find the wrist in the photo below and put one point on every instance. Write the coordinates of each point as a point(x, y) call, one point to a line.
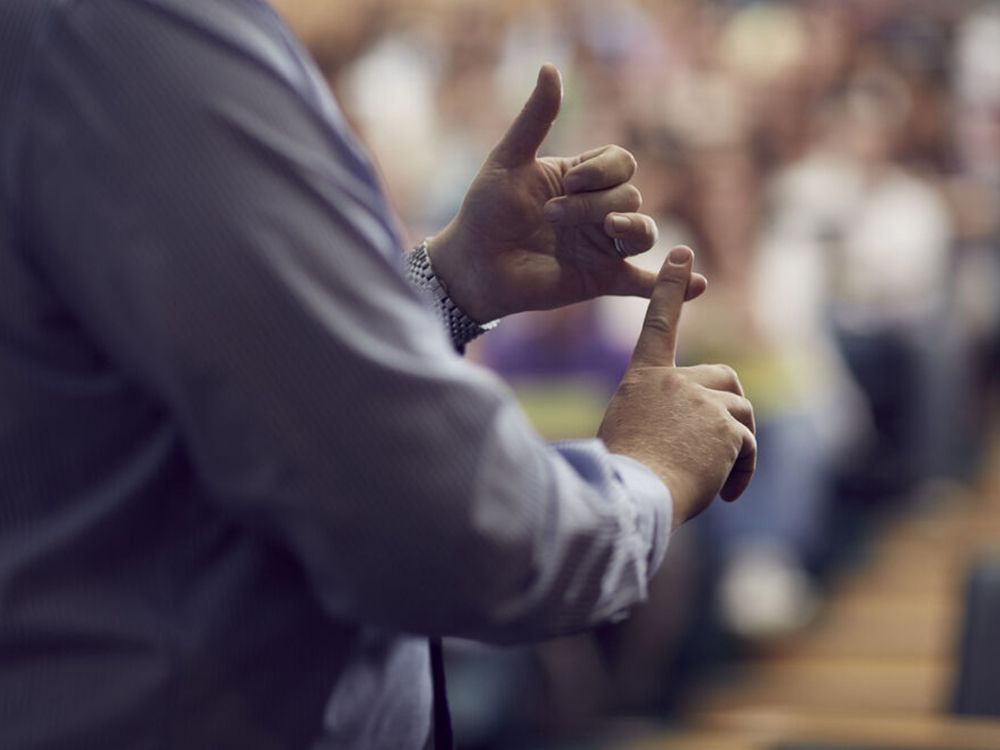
point(424, 278)
point(455, 267)
point(676, 482)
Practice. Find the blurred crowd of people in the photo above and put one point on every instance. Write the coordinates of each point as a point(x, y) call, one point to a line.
point(835, 164)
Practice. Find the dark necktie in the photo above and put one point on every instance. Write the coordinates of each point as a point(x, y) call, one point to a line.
point(443, 737)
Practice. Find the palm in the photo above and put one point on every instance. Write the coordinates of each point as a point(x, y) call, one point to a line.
point(537, 264)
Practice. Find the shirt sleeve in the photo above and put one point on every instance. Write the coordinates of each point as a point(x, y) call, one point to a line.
point(192, 196)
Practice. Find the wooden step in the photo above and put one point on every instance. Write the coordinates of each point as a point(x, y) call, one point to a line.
point(764, 730)
point(868, 625)
point(877, 669)
point(863, 686)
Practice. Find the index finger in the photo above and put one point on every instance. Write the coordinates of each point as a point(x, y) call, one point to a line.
point(657, 344)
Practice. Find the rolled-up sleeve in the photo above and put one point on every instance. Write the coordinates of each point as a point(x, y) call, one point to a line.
point(191, 195)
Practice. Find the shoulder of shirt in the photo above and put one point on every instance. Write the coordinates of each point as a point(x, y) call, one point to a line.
point(28, 25)
point(233, 16)
point(30, 38)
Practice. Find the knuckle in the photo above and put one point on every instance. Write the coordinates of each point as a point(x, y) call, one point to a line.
point(726, 371)
point(631, 379)
point(651, 228)
point(733, 441)
point(700, 400)
point(725, 416)
point(673, 377)
point(728, 375)
point(658, 323)
point(667, 283)
point(626, 157)
point(686, 374)
point(633, 198)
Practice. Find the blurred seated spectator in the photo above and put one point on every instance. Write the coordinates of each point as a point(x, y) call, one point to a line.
point(768, 546)
point(881, 238)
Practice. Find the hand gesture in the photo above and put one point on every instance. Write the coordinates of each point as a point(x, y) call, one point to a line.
point(538, 233)
point(690, 425)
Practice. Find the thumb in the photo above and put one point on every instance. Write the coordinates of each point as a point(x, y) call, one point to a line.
point(657, 344)
point(526, 133)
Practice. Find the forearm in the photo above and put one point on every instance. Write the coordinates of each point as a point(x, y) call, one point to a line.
point(535, 541)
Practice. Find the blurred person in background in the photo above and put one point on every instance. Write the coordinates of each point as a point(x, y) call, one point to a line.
point(244, 472)
point(883, 236)
point(767, 552)
point(975, 198)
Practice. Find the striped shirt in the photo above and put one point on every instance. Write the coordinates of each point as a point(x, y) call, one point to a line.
point(243, 474)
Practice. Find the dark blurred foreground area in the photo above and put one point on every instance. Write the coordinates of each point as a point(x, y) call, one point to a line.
point(836, 167)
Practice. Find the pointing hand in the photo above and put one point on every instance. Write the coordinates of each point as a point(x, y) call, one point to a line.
point(692, 425)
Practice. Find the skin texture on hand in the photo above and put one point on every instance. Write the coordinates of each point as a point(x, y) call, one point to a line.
point(690, 425)
point(538, 233)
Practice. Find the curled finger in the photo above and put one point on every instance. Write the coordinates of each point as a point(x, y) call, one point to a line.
point(632, 233)
point(743, 470)
point(600, 169)
point(593, 207)
point(740, 408)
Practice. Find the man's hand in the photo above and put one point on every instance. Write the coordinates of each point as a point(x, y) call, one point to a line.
point(535, 234)
point(690, 425)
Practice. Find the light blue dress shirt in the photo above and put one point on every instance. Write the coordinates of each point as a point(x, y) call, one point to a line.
point(243, 474)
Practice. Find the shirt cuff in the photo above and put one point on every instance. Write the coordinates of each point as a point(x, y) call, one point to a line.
point(654, 505)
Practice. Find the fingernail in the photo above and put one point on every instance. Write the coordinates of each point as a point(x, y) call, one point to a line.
point(620, 224)
point(679, 256)
point(553, 211)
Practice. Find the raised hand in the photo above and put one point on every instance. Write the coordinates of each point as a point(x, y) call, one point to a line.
point(690, 425)
point(538, 233)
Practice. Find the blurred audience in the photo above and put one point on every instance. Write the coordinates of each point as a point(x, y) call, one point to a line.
point(835, 163)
